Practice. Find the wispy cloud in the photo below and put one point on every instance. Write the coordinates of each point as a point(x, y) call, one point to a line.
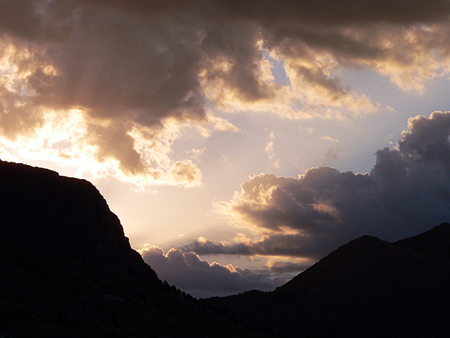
point(274, 161)
point(328, 138)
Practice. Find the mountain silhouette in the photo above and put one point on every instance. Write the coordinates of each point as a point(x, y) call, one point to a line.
point(433, 243)
point(67, 270)
point(366, 288)
point(68, 216)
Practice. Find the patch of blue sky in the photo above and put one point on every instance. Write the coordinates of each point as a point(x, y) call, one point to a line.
point(278, 71)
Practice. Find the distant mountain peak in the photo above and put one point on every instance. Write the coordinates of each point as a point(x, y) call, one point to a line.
point(442, 229)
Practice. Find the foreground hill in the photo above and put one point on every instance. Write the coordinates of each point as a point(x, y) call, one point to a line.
point(65, 216)
point(67, 270)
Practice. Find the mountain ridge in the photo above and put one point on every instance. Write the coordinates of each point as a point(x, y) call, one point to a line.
point(366, 288)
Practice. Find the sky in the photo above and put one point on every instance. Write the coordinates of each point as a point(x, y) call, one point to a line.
point(238, 141)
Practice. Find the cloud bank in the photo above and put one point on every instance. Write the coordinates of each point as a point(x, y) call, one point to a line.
point(119, 80)
point(201, 279)
point(407, 192)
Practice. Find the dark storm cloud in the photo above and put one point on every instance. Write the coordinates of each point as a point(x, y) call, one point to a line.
point(407, 192)
point(287, 245)
point(326, 12)
point(131, 65)
point(202, 247)
point(119, 66)
point(201, 279)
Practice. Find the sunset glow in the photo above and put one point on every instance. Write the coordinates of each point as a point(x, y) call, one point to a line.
point(262, 134)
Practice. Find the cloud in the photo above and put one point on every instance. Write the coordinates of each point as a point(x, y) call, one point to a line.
point(186, 171)
point(282, 245)
point(198, 277)
point(120, 75)
point(328, 138)
point(407, 192)
point(114, 141)
point(331, 156)
point(274, 161)
point(136, 71)
point(285, 267)
point(222, 124)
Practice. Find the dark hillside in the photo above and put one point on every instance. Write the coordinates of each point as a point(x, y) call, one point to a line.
point(69, 216)
point(67, 270)
point(366, 288)
point(433, 243)
point(369, 287)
